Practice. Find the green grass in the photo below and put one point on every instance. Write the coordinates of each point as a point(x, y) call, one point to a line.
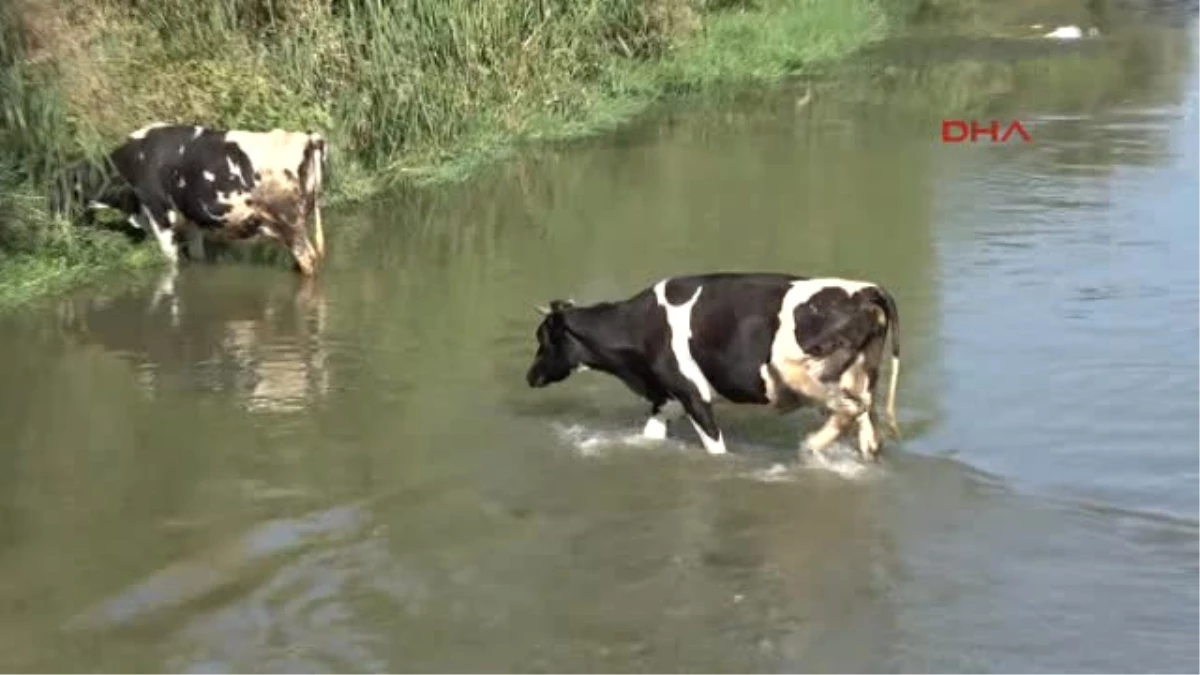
point(40, 255)
point(410, 91)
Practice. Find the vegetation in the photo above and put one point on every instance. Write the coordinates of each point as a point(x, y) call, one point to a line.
point(407, 90)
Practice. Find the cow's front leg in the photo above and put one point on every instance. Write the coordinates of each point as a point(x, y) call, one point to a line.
point(661, 415)
point(195, 242)
point(700, 412)
point(845, 408)
point(318, 232)
point(158, 221)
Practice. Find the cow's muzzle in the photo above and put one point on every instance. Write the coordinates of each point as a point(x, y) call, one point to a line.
point(305, 255)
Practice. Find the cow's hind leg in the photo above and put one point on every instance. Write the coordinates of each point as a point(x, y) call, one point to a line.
point(797, 376)
point(845, 408)
point(856, 384)
point(861, 378)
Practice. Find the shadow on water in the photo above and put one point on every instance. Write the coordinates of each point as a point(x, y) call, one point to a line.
point(240, 471)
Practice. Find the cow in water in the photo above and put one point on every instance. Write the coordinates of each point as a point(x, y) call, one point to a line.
point(777, 340)
point(182, 179)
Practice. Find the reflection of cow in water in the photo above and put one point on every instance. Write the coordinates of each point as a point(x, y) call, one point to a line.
point(260, 342)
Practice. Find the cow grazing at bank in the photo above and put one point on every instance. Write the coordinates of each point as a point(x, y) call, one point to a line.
point(754, 338)
point(188, 180)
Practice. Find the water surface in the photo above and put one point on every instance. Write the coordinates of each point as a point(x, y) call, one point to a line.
point(254, 474)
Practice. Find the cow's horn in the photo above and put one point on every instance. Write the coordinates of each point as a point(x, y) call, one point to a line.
point(542, 310)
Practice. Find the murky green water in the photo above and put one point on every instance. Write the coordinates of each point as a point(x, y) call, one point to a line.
point(256, 476)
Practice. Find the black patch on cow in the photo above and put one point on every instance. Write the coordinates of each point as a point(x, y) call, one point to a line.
point(205, 169)
point(733, 326)
point(680, 290)
point(836, 325)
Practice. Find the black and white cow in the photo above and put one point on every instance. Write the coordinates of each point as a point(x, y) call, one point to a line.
point(757, 338)
point(186, 179)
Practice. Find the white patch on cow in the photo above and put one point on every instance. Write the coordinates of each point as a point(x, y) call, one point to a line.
point(133, 220)
point(235, 170)
point(273, 152)
point(714, 446)
point(655, 429)
point(172, 217)
point(141, 133)
point(196, 132)
point(679, 319)
point(209, 176)
point(182, 149)
point(239, 209)
point(656, 425)
point(141, 156)
point(182, 182)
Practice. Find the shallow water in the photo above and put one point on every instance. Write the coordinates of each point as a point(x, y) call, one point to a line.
point(253, 474)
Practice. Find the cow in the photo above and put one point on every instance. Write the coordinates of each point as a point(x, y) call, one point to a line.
point(186, 180)
point(772, 339)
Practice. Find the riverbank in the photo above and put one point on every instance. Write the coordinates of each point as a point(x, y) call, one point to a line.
point(409, 94)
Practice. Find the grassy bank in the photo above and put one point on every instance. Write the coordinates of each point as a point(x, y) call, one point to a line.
point(408, 91)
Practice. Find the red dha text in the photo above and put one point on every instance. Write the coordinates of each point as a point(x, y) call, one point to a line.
point(957, 131)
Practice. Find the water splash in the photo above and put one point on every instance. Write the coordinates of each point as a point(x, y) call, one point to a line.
point(591, 442)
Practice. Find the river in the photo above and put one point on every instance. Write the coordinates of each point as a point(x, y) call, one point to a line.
point(252, 474)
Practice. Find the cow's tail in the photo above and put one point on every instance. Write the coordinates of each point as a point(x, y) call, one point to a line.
point(888, 304)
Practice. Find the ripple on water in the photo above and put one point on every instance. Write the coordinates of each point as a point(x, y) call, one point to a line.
point(840, 459)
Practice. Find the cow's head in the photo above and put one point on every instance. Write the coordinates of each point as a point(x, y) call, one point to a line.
point(559, 352)
point(284, 218)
